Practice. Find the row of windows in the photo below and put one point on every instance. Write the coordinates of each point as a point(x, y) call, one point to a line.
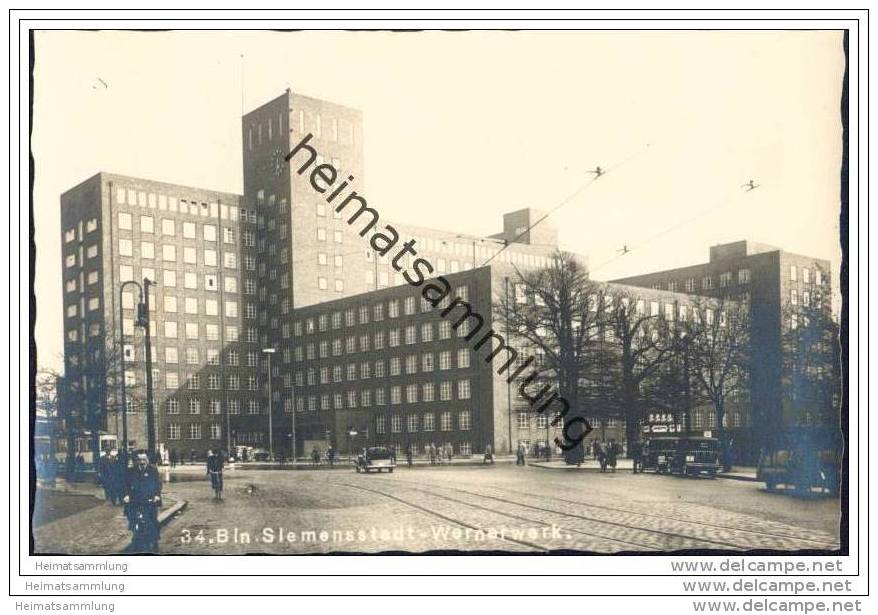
point(482, 249)
point(332, 129)
point(70, 234)
point(425, 421)
point(194, 431)
point(806, 275)
point(367, 398)
point(380, 340)
point(214, 382)
point(169, 228)
point(169, 253)
point(364, 371)
point(215, 406)
point(72, 260)
point(727, 278)
point(361, 315)
point(691, 285)
point(163, 202)
point(808, 300)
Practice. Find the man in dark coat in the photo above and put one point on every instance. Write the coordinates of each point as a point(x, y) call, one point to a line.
point(215, 472)
point(636, 454)
point(104, 476)
point(143, 495)
point(118, 470)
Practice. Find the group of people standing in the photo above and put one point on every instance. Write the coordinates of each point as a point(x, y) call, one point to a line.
point(440, 454)
point(330, 456)
point(606, 454)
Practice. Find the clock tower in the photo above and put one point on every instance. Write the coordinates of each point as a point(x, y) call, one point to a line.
point(305, 253)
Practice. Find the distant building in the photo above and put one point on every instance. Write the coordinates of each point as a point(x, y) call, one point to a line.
point(781, 288)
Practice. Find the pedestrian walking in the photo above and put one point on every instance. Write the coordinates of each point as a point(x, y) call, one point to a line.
point(600, 455)
point(330, 456)
point(489, 454)
point(408, 455)
point(432, 453)
point(520, 455)
point(215, 472)
point(173, 458)
point(449, 451)
point(118, 470)
point(315, 457)
point(101, 471)
point(612, 451)
point(635, 451)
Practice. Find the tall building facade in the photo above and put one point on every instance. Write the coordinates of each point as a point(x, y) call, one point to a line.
point(783, 290)
point(193, 245)
point(278, 276)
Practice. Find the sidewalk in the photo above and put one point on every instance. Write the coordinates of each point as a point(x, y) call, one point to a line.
point(745, 473)
point(97, 529)
point(340, 464)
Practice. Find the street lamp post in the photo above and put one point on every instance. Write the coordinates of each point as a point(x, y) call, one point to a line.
point(150, 410)
point(123, 392)
point(293, 422)
point(269, 352)
point(142, 320)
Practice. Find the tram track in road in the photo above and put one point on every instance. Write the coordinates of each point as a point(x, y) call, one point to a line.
point(437, 515)
point(710, 542)
point(627, 545)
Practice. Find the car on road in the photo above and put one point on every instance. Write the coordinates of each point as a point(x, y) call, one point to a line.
point(683, 455)
point(658, 454)
point(801, 469)
point(375, 458)
point(260, 454)
point(697, 455)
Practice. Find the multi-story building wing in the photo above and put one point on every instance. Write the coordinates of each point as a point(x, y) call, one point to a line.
point(117, 229)
point(781, 288)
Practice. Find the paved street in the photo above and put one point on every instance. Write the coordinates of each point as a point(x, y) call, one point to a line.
point(500, 507)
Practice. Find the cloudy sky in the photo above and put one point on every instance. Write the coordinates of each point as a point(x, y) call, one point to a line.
point(463, 126)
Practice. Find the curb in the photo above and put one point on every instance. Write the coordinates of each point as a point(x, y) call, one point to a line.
point(349, 467)
point(744, 477)
point(583, 468)
point(728, 476)
point(168, 514)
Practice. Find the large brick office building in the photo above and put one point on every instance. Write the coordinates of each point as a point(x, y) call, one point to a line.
point(781, 290)
point(279, 269)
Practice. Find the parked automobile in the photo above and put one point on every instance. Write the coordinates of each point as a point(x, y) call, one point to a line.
point(801, 469)
point(684, 455)
point(375, 458)
point(658, 454)
point(696, 455)
point(260, 454)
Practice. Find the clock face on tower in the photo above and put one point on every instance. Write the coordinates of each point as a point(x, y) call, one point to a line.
point(275, 163)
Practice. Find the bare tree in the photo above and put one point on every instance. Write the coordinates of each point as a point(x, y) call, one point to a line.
point(721, 355)
point(811, 364)
point(641, 346)
point(548, 311)
point(101, 406)
point(48, 386)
